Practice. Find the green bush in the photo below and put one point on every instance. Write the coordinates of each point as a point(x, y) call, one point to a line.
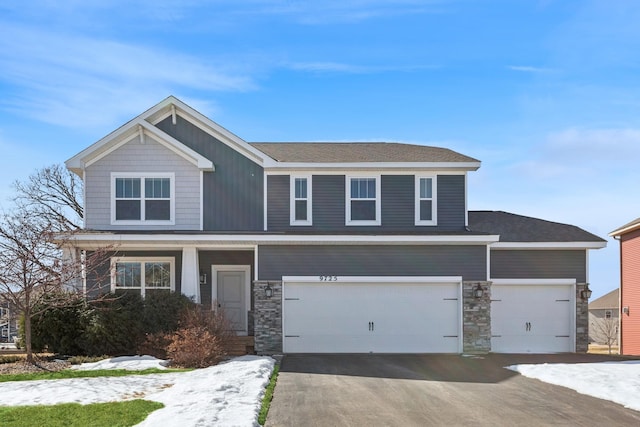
point(118, 324)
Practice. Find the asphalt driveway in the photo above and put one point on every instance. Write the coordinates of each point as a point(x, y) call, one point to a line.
point(432, 390)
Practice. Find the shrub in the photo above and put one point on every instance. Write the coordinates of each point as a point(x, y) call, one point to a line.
point(58, 328)
point(114, 326)
point(10, 359)
point(200, 340)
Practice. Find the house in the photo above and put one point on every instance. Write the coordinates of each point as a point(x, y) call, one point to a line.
point(8, 322)
point(629, 237)
point(604, 318)
point(329, 247)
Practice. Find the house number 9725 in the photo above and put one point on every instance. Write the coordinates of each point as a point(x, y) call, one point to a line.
point(328, 278)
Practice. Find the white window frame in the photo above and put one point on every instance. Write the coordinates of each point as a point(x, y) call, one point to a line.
point(348, 200)
point(293, 199)
point(142, 176)
point(142, 260)
point(434, 200)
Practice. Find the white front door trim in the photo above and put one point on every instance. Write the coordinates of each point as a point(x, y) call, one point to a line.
point(247, 288)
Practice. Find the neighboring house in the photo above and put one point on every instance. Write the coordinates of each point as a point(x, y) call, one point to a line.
point(8, 322)
point(604, 318)
point(329, 247)
point(629, 237)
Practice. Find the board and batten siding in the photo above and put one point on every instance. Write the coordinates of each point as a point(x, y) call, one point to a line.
point(539, 264)
point(630, 293)
point(135, 157)
point(275, 261)
point(397, 209)
point(233, 193)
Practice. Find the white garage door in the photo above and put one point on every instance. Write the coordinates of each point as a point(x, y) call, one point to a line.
point(532, 317)
point(363, 315)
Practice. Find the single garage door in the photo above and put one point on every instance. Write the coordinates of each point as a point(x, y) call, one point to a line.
point(533, 317)
point(330, 314)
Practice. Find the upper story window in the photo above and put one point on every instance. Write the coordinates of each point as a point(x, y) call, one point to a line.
point(142, 198)
point(426, 200)
point(300, 200)
point(363, 200)
point(142, 274)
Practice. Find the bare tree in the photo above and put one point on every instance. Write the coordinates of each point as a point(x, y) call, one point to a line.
point(33, 272)
point(55, 195)
point(606, 330)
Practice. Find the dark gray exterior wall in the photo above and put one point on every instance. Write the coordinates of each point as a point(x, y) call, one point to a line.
point(99, 280)
point(208, 258)
point(275, 261)
point(233, 193)
point(397, 209)
point(539, 264)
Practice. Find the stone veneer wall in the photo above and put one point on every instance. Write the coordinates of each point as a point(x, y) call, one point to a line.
point(267, 318)
point(582, 321)
point(476, 320)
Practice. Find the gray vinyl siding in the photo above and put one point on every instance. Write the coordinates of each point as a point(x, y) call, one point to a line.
point(397, 209)
point(99, 279)
point(148, 157)
point(364, 260)
point(233, 193)
point(451, 202)
point(539, 264)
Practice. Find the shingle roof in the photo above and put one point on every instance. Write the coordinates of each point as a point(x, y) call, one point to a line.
point(352, 152)
point(626, 228)
point(610, 300)
point(518, 228)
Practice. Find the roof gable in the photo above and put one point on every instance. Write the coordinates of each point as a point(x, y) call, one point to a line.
point(144, 124)
point(610, 300)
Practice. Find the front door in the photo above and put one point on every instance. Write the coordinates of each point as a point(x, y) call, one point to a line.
point(230, 293)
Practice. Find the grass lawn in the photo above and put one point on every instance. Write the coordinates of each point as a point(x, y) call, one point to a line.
point(71, 373)
point(268, 396)
point(113, 414)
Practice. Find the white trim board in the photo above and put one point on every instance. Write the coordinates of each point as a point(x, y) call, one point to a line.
point(547, 245)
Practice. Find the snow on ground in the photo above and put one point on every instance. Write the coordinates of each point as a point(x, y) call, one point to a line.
point(131, 363)
point(618, 382)
point(227, 394)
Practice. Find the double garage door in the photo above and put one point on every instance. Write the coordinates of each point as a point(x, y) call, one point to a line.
point(330, 314)
point(533, 316)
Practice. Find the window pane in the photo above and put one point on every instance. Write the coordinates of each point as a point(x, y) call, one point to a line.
point(157, 210)
point(127, 209)
point(301, 210)
point(156, 188)
point(426, 211)
point(426, 188)
point(363, 188)
point(128, 274)
point(127, 188)
point(354, 188)
point(157, 275)
point(301, 188)
point(363, 210)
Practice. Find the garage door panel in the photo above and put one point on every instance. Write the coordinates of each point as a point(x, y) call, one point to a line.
point(532, 318)
point(371, 317)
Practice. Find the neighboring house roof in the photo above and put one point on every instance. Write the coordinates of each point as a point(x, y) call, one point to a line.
point(631, 226)
point(518, 228)
point(359, 152)
point(608, 301)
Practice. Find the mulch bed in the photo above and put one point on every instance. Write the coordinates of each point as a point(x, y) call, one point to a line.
point(39, 366)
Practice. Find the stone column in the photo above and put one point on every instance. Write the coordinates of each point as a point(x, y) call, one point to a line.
point(582, 320)
point(476, 318)
point(190, 274)
point(267, 317)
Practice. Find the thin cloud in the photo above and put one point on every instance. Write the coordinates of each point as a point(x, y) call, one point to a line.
point(60, 77)
point(530, 69)
point(337, 67)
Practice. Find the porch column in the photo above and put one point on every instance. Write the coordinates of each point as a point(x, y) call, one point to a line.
point(190, 274)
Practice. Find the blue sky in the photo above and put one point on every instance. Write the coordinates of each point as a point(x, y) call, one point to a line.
point(546, 93)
